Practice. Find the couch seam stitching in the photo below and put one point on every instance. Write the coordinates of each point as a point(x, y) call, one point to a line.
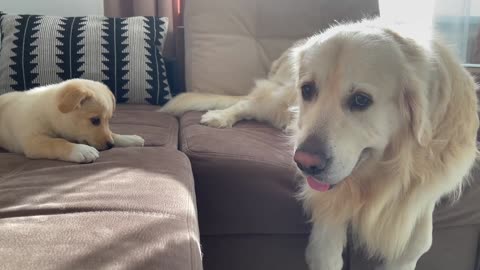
point(148, 213)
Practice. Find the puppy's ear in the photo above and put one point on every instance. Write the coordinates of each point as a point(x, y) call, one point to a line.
point(114, 101)
point(415, 108)
point(72, 97)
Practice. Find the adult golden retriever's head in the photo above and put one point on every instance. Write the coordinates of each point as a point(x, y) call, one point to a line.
point(85, 110)
point(359, 87)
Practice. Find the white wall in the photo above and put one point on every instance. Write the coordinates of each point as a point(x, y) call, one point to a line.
point(53, 7)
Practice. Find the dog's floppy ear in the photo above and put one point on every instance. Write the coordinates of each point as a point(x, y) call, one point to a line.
point(72, 96)
point(295, 56)
point(415, 108)
point(416, 84)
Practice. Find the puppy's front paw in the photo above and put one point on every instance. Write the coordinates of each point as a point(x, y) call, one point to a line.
point(128, 141)
point(134, 140)
point(83, 154)
point(217, 119)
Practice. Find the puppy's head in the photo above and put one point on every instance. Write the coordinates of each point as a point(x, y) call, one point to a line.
point(357, 91)
point(86, 108)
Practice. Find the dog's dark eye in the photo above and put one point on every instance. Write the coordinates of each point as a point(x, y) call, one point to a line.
point(308, 91)
point(360, 101)
point(95, 121)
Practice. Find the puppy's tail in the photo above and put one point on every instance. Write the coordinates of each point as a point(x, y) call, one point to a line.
point(198, 102)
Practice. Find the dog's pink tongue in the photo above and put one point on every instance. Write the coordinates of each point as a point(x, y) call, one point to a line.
point(317, 185)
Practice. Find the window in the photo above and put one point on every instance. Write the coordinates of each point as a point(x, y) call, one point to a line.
point(457, 21)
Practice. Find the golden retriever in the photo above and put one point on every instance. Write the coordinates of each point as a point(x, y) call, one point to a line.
point(385, 124)
point(68, 121)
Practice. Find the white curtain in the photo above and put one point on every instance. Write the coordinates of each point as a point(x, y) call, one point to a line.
point(163, 8)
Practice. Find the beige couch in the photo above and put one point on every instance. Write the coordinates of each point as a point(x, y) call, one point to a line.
point(134, 208)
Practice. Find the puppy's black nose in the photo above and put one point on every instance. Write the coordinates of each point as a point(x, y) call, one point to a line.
point(110, 145)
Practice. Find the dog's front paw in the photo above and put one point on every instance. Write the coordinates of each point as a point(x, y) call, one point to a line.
point(128, 141)
point(134, 140)
point(83, 154)
point(321, 260)
point(217, 119)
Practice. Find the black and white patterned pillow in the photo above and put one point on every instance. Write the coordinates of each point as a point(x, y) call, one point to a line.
point(123, 53)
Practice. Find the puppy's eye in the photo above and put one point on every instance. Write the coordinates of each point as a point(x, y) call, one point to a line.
point(95, 121)
point(360, 101)
point(309, 91)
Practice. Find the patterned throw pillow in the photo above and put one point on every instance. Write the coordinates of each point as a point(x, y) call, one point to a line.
point(123, 53)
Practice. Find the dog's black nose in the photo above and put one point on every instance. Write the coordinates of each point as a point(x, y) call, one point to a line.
point(110, 145)
point(312, 157)
point(309, 163)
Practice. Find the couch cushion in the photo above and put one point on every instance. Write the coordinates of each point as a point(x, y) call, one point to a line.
point(134, 208)
point(244, 178)
point(158, 129)
point(97, 240)
point(124, 53)
point(242, 38)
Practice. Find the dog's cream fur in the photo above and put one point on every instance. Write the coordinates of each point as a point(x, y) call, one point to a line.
point(54, 122)
point(391, 162)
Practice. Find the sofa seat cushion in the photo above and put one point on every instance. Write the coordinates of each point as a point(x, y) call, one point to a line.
point(244, 178)
point(97, 240)
point(125, 211)
point(158, 129)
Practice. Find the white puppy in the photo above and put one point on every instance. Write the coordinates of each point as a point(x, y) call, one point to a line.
point(67, 121)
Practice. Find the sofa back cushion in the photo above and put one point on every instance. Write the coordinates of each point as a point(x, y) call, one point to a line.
point(229, 43)
point(124, 53)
